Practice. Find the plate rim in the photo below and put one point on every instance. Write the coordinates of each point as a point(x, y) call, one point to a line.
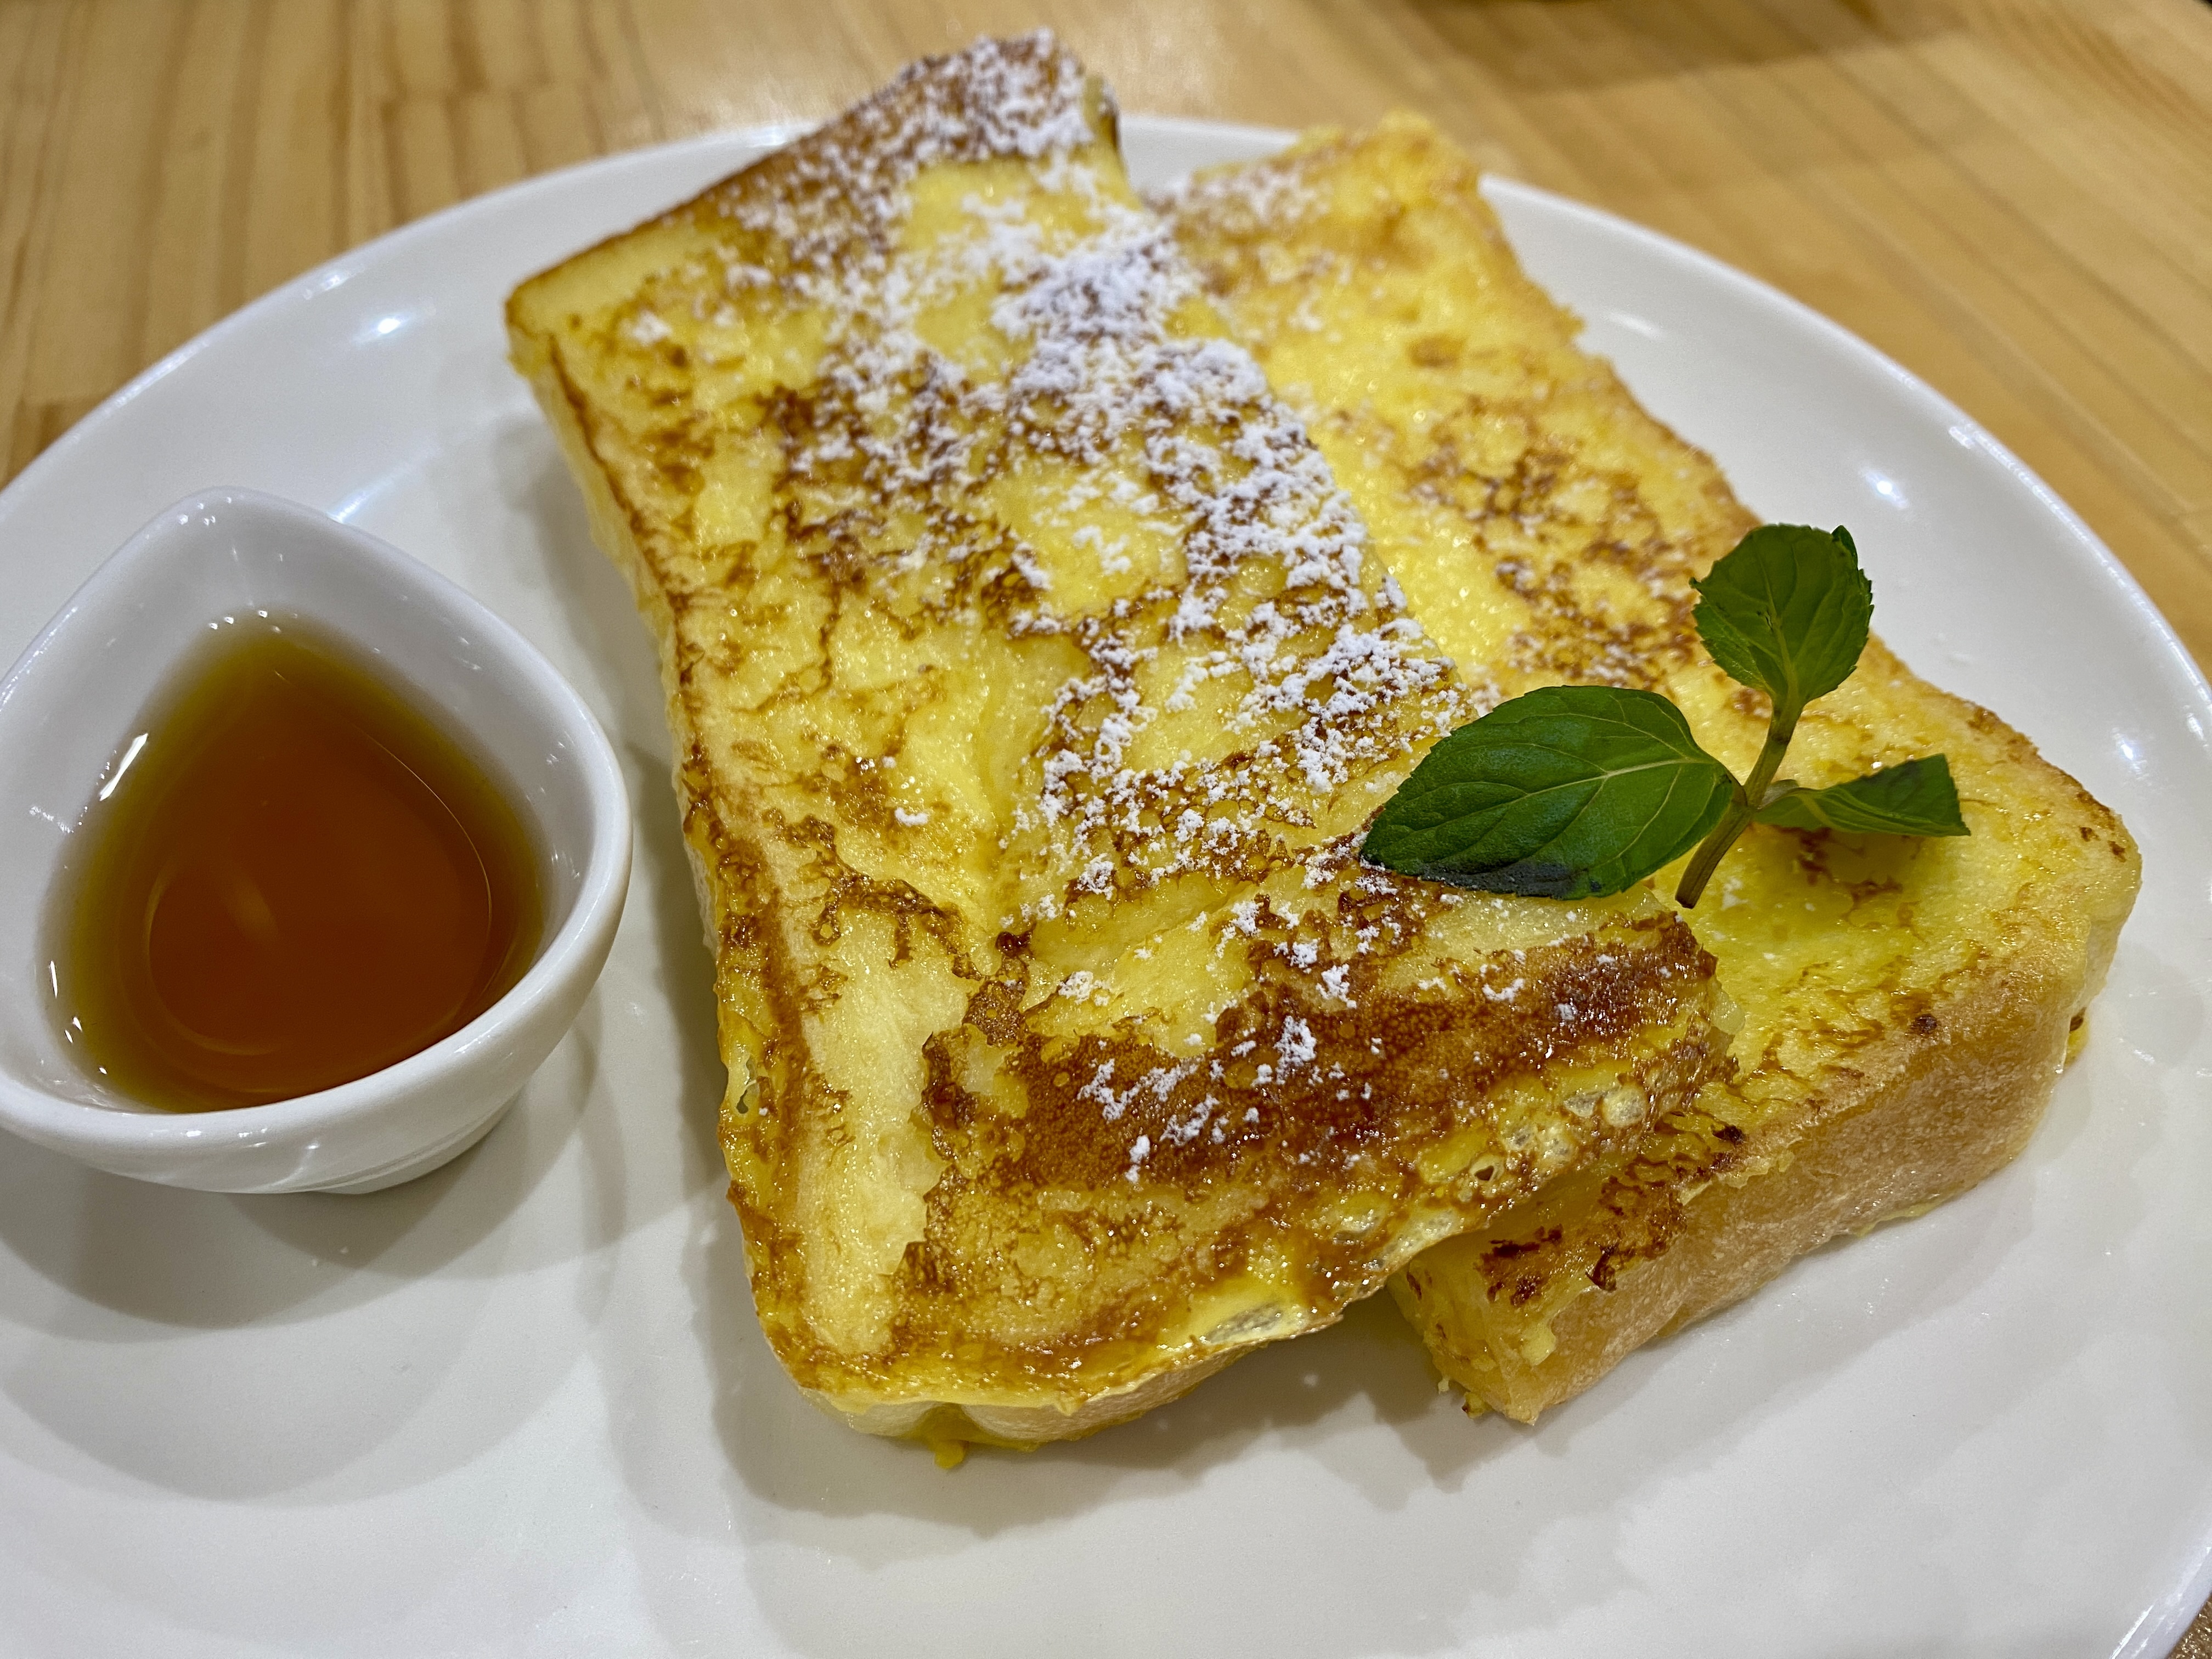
point(2159, 1626)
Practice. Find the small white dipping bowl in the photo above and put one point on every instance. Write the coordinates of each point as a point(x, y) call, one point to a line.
point(66, 712)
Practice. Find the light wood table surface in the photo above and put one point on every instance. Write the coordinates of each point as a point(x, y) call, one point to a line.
point(2012, 198)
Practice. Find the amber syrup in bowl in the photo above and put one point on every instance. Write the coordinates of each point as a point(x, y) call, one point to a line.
point(292, 878)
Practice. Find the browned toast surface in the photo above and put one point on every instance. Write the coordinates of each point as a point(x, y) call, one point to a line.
point(1031, 681)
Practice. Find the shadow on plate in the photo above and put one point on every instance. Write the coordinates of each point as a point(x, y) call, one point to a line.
point(177, 1258)
point(1338, 1435)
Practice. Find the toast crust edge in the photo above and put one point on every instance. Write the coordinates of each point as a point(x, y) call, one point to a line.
point(1930, 1123)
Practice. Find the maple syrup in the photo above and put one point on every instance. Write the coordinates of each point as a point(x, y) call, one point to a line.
point(291, 879)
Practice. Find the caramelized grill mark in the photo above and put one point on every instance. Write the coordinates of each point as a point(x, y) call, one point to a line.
point(846, 891)
point(1278, 1231)
point(1405, 1069)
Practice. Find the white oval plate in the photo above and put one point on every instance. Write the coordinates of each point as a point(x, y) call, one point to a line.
point(523, 1405)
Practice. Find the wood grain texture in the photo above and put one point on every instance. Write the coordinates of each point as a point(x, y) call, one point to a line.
point(2013, 198)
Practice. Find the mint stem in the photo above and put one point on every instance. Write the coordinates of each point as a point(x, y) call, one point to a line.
point(1746, 802)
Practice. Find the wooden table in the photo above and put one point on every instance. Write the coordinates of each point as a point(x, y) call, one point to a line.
point(2013, 198)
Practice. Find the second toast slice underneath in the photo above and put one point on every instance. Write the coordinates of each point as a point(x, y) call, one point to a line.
point(1905, 1004)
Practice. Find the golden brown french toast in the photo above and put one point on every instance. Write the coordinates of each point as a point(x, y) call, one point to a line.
point(1904, 1004)
point(1030, 686)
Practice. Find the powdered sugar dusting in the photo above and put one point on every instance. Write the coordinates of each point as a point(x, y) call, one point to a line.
point(1022, 98)
point(1238, 198)
point(1246, 683)
point(1277, 620)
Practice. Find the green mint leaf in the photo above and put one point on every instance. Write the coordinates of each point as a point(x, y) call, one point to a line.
point(1571, 792)
point(1914, 798)
point(1786, 613)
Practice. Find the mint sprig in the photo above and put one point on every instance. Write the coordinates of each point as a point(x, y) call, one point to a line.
point(1579, 791)
point(1904, 799)
point(1568, 792)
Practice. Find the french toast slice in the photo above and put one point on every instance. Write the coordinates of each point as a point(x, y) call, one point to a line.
point(1029, 687)
point(1905, 1004)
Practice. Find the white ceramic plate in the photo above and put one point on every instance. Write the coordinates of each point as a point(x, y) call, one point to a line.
point(522, 1406)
